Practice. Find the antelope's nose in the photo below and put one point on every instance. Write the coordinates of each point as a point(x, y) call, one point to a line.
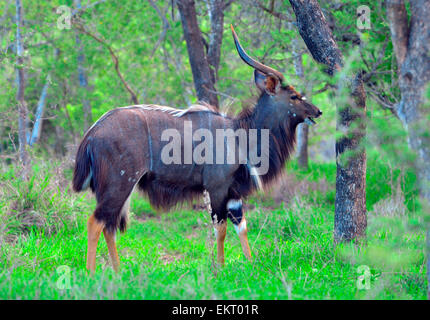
point(319, 113)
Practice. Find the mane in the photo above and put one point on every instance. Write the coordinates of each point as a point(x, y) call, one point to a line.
point(282, 143)
point(282, 140)
point(200, 107)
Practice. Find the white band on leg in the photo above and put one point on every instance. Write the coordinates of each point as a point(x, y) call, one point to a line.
point(241, 227)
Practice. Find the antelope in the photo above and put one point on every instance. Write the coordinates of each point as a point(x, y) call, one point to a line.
point(123, 150)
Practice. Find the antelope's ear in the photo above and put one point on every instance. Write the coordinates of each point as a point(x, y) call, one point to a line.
point(268, 83)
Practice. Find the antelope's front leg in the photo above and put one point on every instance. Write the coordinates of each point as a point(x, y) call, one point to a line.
point(219, 219)
point(235, 213)
point(220, 229)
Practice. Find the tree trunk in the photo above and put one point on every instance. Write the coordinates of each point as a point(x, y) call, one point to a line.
point(216, 16)
point(317, 35)
point(59, 141)
point(22, 106)
point(203, 77)
point(303, 128)
point(411, 44)
point(302, 145)
point(350, 220)
point(350, 205)
point(398, 18)
point(412, 47)
point(37, 127)
point(83, 82)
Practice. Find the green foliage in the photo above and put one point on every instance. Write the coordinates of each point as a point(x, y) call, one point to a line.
point(43, 224)
point(37, 204)
point(171, 255)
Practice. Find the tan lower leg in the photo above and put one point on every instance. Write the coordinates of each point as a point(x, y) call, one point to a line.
point(220, 232)
point(242, 231)
point(94, 230)
point(110, 241)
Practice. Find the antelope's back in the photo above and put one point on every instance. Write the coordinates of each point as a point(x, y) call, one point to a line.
point(136, 136)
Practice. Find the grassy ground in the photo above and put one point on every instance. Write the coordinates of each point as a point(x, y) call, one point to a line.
point(171, 256)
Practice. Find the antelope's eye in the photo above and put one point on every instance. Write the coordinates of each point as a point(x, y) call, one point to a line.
point(294, 97)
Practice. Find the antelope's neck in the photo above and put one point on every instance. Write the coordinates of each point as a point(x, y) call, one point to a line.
point(282, 134)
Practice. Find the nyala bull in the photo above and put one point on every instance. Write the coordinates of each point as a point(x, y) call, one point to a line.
point(124, 148)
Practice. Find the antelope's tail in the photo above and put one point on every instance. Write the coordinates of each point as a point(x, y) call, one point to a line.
point(83, 173)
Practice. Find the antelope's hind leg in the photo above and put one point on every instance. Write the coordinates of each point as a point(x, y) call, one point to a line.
point(113, 253)
point(95, 228)
point(110, 215)
point(235, 213)
point(110, 235)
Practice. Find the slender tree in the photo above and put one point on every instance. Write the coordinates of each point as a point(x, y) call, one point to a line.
point(37, 127)
point(204, 76)
point(303, 128)
point(22, 106)
point(216, 16)
point(350, 204)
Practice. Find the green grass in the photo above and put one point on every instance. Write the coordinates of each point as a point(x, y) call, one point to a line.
point(171, 255)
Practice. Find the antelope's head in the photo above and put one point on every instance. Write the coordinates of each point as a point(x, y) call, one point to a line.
point(284, 98)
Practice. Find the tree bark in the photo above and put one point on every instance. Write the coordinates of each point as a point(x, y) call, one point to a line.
point(203, 77)
point(350, 219)
point(302, 145)
point(350, 204)
point(412, 46)
point(22, 106)
point(317, 35)
point(398, 19)
point(414, 77)
point(216, 16)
